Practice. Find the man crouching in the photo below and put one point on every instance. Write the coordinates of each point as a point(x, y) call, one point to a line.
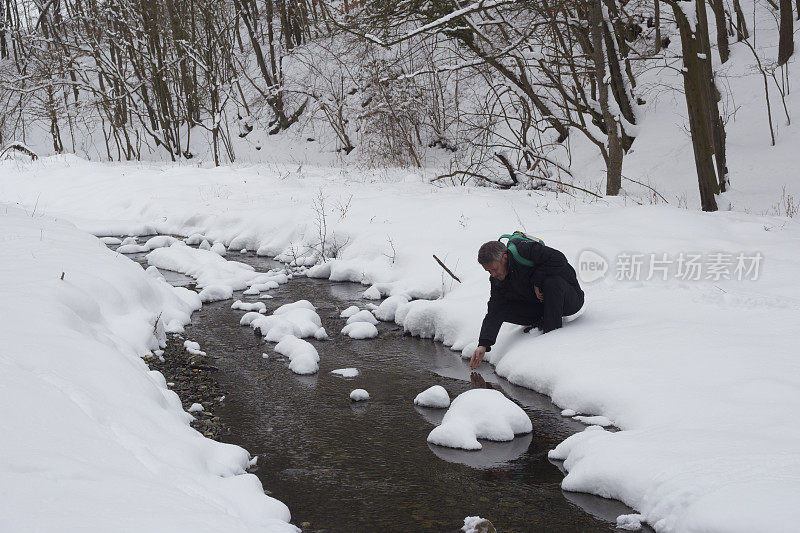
point(533, 296)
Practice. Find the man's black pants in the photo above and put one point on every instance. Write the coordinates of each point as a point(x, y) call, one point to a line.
point(560, 299)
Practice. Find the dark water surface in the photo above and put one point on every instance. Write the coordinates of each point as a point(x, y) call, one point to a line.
point(343, 466)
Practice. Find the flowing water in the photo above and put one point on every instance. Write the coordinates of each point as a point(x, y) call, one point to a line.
point(366, 466)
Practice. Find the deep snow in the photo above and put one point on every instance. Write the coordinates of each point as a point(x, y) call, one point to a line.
point(95, 441)
point(680, 365)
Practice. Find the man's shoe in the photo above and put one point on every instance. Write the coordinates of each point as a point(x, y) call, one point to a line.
point(527, 329)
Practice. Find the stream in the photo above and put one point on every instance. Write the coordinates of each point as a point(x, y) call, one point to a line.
point(366, 466)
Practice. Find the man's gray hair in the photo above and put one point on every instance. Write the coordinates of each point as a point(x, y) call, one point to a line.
point(491, 251)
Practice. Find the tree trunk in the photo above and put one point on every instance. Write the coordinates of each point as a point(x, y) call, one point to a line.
point(786, 37)
point(599, 31)
point(617, 82)
point(741, 22)
point(697, 91)
point(722, 30)
point(658, 25)
point(711, 97)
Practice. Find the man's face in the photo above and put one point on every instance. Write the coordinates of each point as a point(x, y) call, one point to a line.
point(498, 269)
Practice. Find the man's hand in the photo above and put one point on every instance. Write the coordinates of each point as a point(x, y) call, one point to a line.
point(538, 293)
point(477, 357)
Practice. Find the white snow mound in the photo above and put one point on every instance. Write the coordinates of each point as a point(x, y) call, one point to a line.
point(303, 357)
point(359, 395)
point(350, 311)
point(372, 293)
point(298, 319)
point(193, 348)
point(346, 372)
point(435, 397)
point(219, 249)
point(630, 522)
point(386, 311)
point(360, 330)
point(259, 307)
point(480, 414)
point(363, 316)
point(214, 293)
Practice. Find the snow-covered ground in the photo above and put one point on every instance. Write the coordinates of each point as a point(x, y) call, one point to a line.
point(93, 440)
point(696, 366)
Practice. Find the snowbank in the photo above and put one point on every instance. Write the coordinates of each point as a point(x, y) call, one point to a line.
point(95, 441)
point(480, 414)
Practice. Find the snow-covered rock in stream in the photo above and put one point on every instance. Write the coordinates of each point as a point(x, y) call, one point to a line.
point(630, 522)
point(259, 307)
point(194, 239)
point(346, 372)
point(372, 293)
point(132, 249)
point(480, 414)
point(387, 309)
point(258, 288)
point(303, 357)
point(359, 395)
point(160, 241)
point(476, 524)
point(435, 397)
point(193, 348)
point(362, 316)
point(214, 293)
point(360, 330)
point(350, 311)
point(216, 276)
point(597, 420)
point(298, 319)
point(219, 249)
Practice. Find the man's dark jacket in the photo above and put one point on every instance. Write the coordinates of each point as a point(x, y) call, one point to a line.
point(518, 285)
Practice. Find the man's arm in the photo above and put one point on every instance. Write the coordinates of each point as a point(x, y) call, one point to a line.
point(492, 321)
point(490, 327)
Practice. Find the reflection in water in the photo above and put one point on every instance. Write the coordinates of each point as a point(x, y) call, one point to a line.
point(493, 454)
point(478, 382)
point(431, 416)
point(308, 381)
